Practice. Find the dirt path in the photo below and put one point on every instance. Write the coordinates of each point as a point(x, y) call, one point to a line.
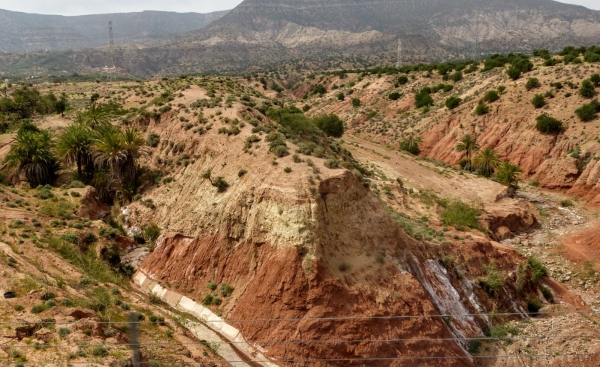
point(424, 175)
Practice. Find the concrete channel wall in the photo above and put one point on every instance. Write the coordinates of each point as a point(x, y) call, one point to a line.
point(207, 318)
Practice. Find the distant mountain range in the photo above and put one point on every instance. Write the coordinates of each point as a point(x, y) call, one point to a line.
point(35, 32)
point(264, 32)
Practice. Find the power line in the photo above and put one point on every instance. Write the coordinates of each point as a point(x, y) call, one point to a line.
point(274, 342)
point(374, 359)
point(341, 318)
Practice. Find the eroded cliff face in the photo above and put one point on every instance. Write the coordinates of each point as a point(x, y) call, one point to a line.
point(302, 256)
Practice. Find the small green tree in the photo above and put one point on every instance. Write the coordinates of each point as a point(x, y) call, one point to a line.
point(595, 79)
point(330, 125)
point(538, 101)
point(486, 162)
point(355, 102)
point(402, 79)
point(32, 152)
point(341, 96)
point(508, 174)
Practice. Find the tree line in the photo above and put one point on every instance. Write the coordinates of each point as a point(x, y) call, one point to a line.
point(105, 156)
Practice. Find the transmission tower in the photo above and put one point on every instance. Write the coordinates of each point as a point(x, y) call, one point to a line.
point(112, 46)
point(399, 62)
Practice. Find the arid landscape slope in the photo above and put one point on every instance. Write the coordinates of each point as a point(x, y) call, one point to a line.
point(259, 234)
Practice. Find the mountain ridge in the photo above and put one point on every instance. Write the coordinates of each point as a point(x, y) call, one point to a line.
point(31, 32)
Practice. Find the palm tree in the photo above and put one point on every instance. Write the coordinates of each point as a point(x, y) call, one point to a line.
point(508, 174)
point(469, 146)
point(486, 162)
point(74, 147)
point(411, 144)
point(32, 152)
point(133, 145)
point(109, 150)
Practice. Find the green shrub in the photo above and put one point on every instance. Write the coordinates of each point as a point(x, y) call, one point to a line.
point(226, 290)
point(453, 102)
point(151, 232)
point(153, 140)
point(100, 352)
point(48, 296)
point(588, 111)
point(533, 306)
point(474, 346)
point(287, 169)
point(491, 96)
point(208, 300)
point(460, 215)
point(341, 96)
point(39, 308)
point(587, 89)
point(394, 96)
point(331, 125)
point(63, 332)
point(355, 102)
point(331, 163)
point(548, 124)
point(212, 286)
point(513, 73)
point(538, 269)
point(402, 79)
point(566, 203)
point(532, 83)
point(242, 173)
point(423, 98)
point(281, 151)
point(481, 109)
point(538, 101)
point(503, 332)
point(77, 184)
point(493, 279)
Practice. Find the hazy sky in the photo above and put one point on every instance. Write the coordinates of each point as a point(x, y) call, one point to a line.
point(78, 7)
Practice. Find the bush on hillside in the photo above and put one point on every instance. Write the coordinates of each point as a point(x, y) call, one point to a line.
point(587, 89)
point(589, 111)
point(548, 124)
point(513, 73)
point(481, 109)
point(453, 102)
point(538, 101)
point(532, 83)
point(491, 96)
point(423, 98)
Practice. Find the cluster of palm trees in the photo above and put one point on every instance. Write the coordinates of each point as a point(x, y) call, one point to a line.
point(487, 163)
point(105, 155)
